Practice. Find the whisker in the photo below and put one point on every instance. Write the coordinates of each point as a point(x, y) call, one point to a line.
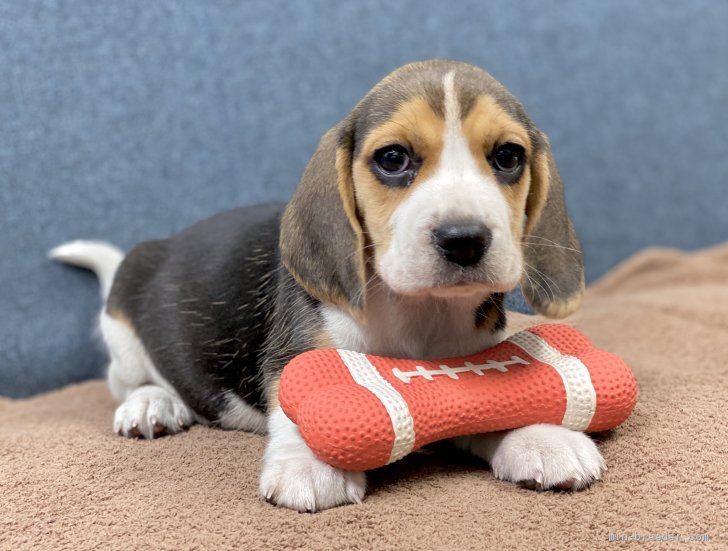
point(545, 280)
point(549, 243)
point(533, 283)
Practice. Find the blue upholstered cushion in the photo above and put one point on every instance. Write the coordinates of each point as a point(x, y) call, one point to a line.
point(129, 120)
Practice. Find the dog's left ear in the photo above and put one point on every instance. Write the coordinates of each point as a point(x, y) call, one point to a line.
point(321, 241)
point(553, 280)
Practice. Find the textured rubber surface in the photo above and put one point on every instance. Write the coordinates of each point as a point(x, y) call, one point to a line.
point(360, 412)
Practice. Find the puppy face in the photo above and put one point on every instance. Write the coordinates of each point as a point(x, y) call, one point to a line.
point(445, 187)
point(442, 187)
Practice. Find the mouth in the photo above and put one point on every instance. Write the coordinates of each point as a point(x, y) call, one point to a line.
point(423, 275)
point(461, 289)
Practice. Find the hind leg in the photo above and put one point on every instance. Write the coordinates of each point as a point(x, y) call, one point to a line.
point(149, 406)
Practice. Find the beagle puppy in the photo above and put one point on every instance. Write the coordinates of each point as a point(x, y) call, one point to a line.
point(430, 200)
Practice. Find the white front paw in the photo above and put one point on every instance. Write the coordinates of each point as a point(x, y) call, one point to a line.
point(151, 411)
point(545, 457)
point(307, 484)
point(294, 477)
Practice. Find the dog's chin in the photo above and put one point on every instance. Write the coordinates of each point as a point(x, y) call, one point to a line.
point(422, 277)
point(468, 289)
point(450, 290)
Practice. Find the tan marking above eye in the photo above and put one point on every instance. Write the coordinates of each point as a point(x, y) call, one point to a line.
point(486, 126)
point(414, 125)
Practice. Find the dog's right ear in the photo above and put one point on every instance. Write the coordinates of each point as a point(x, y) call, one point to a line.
point(553, 281)
point(321, 241)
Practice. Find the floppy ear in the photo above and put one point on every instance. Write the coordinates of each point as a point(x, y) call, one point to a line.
point(321, 241)
point(553, 281)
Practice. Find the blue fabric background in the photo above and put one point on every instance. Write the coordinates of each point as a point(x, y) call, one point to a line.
point(130, 120)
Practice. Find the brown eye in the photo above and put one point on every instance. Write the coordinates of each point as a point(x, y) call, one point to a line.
point(508, 157)
point(395, 165)
point(393, 159)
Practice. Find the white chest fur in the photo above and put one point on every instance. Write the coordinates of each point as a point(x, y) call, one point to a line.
point(411, 327)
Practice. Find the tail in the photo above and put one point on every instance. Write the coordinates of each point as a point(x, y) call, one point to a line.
point(97, 256)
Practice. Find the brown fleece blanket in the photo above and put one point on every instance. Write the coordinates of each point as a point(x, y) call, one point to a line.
point(67, 482)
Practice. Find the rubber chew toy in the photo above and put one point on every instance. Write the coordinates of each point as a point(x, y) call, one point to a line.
point(359, 412)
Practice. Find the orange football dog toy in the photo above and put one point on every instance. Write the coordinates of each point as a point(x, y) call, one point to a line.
point(359, 412)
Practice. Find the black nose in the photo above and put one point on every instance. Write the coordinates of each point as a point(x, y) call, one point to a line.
point(462, 244)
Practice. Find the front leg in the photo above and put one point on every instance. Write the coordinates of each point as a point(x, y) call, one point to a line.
point(294, 477)
point(540, 457)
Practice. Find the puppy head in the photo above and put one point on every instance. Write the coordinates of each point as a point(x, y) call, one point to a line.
point(439, 182)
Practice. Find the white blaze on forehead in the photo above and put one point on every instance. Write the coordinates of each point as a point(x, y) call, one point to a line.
point(452, 106)
point(458, 175)
point(456, 160)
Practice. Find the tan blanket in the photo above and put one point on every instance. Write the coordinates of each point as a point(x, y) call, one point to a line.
point(67, 482)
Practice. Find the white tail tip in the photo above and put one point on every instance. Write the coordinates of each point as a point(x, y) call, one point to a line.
point(102, 258)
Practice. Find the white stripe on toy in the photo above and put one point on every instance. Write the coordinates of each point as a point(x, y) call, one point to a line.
point(581, 398)
point(366, 375)
point(452, 372)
